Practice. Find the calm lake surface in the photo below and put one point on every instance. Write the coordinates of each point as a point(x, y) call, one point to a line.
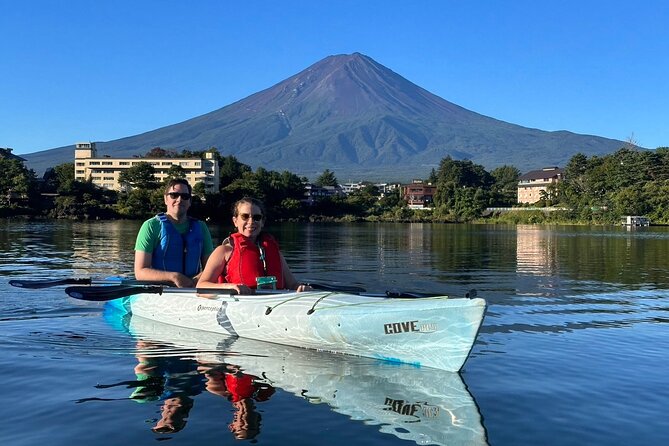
point(574, 349)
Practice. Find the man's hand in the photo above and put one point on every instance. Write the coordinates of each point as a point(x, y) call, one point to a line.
point(182, 281)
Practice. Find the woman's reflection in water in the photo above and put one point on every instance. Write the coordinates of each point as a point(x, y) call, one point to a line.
point(176, 380)
point(242, 390)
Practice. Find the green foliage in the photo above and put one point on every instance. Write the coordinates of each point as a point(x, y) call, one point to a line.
point(58, 179)
point(327, 178)
point(141, 175)
point(157, 152)
point(140, 203)
point(505, 186)
point(273, 188)
point(200, 189)
point(18, 185)
point(230, 169)
point(627, 182)
point(464, 188)
point(175, 171)
point(83, 200)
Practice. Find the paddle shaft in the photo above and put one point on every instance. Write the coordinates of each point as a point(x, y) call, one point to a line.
point(39, 284)
point(105, 293)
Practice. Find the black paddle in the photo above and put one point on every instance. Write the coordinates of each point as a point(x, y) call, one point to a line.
point(105, 293)
point(38, 284)
point(337, 288)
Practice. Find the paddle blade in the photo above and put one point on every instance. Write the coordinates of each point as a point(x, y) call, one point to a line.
point(38, 284)
point(105, 293)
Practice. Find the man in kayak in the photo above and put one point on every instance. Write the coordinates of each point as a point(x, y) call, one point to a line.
point(249, 259)
point(172, 247)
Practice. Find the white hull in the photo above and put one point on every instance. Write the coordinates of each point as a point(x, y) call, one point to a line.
point(435, 332)
point(427, 406)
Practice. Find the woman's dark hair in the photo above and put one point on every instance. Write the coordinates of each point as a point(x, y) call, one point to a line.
point(249, 200)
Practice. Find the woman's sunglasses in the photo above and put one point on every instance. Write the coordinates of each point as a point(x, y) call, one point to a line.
point(175, 195)
point(256, 217)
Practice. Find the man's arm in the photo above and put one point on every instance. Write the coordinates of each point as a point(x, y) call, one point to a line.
point(143, 271)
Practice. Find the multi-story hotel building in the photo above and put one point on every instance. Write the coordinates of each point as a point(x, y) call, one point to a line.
point(104, 172)
point(532, 184)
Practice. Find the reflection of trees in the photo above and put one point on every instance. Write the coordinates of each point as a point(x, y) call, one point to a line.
point(614, 257)
point(462, 253)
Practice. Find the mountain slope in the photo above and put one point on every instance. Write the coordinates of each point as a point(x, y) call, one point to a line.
point(349, 114)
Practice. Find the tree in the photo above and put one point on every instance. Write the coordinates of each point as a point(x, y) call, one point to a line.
point(175, 171)
point(157, 152)
point(140, 203)
point(327, 178)
point(463, 188)
point(16, 182)
point(364, 199)
point(505, 187)
point(230, 169)
point(83, 200)
point(200, 189)
point(141, 175)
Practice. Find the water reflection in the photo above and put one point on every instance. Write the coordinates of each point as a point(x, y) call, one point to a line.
point(421, 405)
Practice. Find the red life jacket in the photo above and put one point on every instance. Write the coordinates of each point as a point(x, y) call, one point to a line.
point(246, 262)
point(242, 386)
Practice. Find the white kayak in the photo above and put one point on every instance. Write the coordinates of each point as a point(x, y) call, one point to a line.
point(436, 332)
point(427, 406)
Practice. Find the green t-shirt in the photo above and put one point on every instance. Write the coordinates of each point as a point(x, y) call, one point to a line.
point(149, 235)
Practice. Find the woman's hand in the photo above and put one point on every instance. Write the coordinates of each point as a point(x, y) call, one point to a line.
point(240, 288)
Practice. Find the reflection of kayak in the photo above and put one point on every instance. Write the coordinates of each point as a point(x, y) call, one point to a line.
point(428, 406)
point(435, 332)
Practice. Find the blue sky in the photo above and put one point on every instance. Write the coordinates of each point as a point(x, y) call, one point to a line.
point(80, 70)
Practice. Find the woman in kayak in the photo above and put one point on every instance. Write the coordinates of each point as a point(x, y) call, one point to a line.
point(249, 259)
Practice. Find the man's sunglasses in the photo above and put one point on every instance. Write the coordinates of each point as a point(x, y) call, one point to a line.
point(175, 195)
point(256, 217)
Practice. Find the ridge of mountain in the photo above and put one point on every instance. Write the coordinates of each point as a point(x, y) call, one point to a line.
point(361, 120)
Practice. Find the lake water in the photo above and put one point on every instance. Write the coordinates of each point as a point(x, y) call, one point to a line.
point(573, 349)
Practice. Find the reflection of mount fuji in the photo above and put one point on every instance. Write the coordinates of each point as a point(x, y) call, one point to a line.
point(424, 405)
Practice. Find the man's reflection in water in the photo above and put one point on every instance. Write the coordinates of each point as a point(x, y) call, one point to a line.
point(173, 415)
point(174, 381)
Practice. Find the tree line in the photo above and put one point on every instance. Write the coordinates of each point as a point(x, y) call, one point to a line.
point(593, 190)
